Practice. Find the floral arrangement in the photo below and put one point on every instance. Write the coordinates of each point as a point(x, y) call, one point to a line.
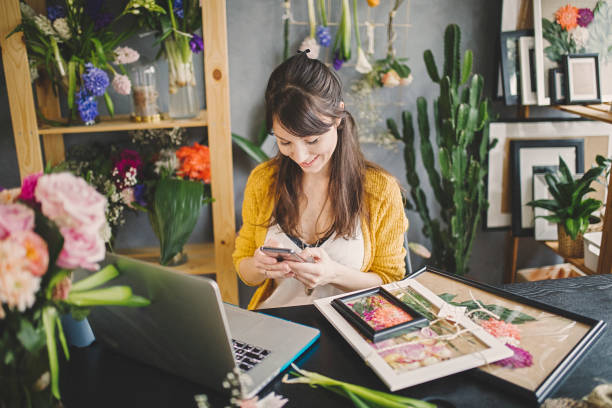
point(577, 30)
point(48, 227)
point(176, 26)
point(76, 45)
point(378, 312)
point(310, 42)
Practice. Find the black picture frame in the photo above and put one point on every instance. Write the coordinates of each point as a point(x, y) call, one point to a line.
point(575, 78)
point(418, 320)
point(556, 86)
point(510, 64)
point(556, 375)
point(521, 177)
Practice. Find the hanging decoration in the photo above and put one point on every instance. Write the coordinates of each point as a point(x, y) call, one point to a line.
point(323, 33)
point(342, 43)
point(310, 42)
point(363, 65)
point(287, 18)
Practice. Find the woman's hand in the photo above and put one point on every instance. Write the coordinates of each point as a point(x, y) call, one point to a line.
point(319, 272)
point(269, 266)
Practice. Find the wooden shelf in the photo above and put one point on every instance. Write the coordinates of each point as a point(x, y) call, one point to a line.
point(577, 262)
point(200, 258)
point(599, 112)
point(123, 122)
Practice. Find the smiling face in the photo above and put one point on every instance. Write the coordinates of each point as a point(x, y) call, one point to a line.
point(311, 153)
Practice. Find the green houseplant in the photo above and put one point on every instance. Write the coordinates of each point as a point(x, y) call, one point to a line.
point(462, 136)
point(568, 207)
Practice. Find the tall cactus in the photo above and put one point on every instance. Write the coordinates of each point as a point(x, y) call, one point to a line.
point(462, 138)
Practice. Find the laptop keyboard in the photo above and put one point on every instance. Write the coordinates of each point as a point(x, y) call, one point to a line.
point(247, 355)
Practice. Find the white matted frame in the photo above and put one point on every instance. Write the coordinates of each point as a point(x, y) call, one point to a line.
point(599, 41)
point(582, 78)
point(544, 229)
point(499, 212)
point(528, 93)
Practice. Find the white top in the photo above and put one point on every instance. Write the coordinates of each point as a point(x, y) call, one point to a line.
point(290, 291)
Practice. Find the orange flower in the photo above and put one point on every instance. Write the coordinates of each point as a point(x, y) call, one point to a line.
point(373, 3)
point(195, 162)
point(567, 17)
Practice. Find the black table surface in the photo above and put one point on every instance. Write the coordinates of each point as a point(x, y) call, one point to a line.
point(98, 377)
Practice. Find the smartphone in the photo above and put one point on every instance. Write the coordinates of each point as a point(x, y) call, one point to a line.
point(282, 254)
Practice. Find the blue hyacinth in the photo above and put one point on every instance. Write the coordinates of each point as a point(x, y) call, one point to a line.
point(324, 36)
point(139, 194)
point(177, 6)
point(95, 80)
point(87, 107)
point(55, 12)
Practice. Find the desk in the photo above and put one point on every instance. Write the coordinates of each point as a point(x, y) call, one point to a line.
point(98, 377)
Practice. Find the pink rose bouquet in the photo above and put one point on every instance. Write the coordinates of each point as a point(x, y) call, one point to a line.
point(48, 228)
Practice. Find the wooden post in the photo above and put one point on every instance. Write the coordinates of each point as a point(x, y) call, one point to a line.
point(513, 243)
point(216, 74)
point(604, 264)
point(19, 89)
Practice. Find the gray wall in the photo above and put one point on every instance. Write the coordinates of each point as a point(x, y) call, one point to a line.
point(255, 48)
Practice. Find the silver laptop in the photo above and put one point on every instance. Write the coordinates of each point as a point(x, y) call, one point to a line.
point(188, 331)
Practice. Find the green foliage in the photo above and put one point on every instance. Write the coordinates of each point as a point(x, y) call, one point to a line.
point(253, 149)
point(567, 207)
point(561, 42)
point(461, 122)
point(505, 314)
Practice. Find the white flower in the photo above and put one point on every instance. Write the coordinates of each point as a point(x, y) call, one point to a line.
point(580, 35)
point(311, 44)
point(26, 10)
point(390, 79)
point(61, 26)
point(125, 55)
point(106, 233)
point(363, 65)
point(406, 81)
point(33, 71)
point(122, 84)
point(167, 162)
point(44, 25)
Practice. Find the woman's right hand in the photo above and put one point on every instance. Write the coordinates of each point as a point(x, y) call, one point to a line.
point(269, 266)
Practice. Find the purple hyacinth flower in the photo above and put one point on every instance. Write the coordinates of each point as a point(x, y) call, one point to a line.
point(324, 36)
point(55, 12)
point(139, 194)
point(87, 107)
point(338, 61)
point(585, 16)
point(95, 80)
point(177, 6)
point(196, 43)
point(102, 20)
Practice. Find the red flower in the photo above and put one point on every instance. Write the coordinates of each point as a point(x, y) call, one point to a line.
point(195, 162)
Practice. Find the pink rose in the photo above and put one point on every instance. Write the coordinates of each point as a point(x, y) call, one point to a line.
point(15, 218)
point(36, 252)
point(390, 79)
point(28, 186)
point(81, 249)
point(61, 290)
point(71, 202)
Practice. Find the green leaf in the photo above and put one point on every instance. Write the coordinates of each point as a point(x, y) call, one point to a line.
point(109, 104)
point(71, 82)
point(250, 148)
point(102, 276)
point(32, 339)
point(48, 316)
point(355, 399)
point(177, 205)
point(62, 337)
point(112, 296)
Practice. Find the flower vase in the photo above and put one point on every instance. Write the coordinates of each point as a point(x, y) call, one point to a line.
point(568, 247)
point(183, 101)
point(175, 211)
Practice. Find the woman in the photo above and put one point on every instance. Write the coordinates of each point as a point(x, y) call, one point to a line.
point(318, 196)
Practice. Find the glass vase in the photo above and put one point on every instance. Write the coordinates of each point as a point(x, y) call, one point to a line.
point(144, 93)
point(183, 98)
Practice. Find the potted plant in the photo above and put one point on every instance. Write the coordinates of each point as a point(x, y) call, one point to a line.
point(568, 207)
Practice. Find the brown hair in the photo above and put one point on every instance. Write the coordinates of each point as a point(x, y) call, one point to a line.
point(302, 93)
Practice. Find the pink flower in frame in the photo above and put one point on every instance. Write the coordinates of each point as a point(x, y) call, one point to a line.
point(521, 358)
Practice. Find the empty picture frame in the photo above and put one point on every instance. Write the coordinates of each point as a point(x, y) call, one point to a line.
point(527, 155)
point(598, 40)
point(597, 137)
point(511, 70)
point(527, 70)
point(581, 78)
point(556, 86)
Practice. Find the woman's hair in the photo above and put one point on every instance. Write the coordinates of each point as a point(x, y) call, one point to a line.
point(305, 97)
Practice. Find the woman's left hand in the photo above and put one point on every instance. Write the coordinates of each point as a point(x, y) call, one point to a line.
point(320, 271)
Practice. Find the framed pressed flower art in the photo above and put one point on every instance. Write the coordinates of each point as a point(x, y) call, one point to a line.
point(547, 342)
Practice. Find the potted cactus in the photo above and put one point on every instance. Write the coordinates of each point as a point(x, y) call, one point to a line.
point(568, 208)
point(462, 136)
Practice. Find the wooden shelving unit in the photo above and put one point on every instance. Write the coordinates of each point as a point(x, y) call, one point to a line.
point(577, 262)
point(207, 258)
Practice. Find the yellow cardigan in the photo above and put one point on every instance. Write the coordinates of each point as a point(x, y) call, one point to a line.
point(383, 235)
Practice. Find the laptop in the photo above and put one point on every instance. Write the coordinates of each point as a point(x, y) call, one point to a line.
point(188, 331)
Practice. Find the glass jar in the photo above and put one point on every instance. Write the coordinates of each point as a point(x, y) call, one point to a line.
point(182, 85)
point(144, 93)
